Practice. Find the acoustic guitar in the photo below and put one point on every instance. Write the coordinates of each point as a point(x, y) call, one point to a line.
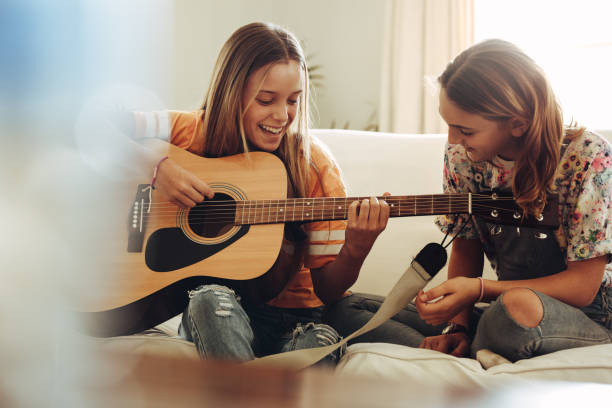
point(163, 251)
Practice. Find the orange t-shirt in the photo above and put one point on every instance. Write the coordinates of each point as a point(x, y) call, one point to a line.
point(324, 238)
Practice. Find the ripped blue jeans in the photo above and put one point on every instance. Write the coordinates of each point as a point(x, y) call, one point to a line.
point(222, 328)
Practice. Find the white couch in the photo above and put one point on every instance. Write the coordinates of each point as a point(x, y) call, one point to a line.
point(373, 163)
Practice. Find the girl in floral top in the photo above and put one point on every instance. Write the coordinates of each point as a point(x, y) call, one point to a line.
point(554, 290)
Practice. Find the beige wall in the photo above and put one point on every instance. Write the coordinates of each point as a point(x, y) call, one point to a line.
point(344, 36)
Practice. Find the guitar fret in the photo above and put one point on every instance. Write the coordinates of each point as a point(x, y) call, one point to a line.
point(345, 207)
point(262, 217)
point(322, 207)
point(285, 211)
point(277, 210)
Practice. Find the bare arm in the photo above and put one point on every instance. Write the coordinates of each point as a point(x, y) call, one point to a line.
point(180, 186)
point(331, 281)
point(466, 259)
point(576, 286)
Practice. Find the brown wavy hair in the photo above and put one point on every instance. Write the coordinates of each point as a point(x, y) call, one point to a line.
point(249, 48)
point(497, 80)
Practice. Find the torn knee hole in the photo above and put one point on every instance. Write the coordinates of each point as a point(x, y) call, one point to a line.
point(223, 312)
point(326, 335)
point(218, 290)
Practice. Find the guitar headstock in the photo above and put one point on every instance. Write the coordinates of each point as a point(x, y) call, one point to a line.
point(500, 208)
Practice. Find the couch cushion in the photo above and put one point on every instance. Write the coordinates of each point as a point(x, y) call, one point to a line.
point(151, 343)
point(586, 364)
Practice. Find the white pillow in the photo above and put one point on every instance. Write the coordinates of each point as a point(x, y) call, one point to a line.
point(381, 360)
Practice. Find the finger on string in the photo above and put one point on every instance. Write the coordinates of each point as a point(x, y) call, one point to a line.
point(384, 214)
point(185, 202)
point(374, 209)
point(176, 202)
point(203, 188)
point(352, 212)
point(194, 196)
point(364, 210)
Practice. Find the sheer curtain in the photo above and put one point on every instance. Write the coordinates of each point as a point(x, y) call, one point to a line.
point(421, 37)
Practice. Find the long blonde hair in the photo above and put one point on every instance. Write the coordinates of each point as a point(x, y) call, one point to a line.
point(498, 81)
point(249, 48)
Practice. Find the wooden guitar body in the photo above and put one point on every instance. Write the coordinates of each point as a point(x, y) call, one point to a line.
point(161, 251)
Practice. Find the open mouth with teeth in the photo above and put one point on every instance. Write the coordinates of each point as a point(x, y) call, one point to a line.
point(271, 130)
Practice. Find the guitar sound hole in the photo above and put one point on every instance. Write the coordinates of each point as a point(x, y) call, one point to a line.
point(212, 218)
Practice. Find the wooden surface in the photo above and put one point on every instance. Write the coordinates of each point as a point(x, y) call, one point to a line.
point(155, 381)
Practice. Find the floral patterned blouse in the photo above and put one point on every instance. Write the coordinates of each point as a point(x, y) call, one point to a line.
point(583, 182)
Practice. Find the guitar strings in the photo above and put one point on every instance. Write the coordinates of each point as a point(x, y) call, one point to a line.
point(249, 211)
point(262, 218)
point(407, 206)
point(428, 199)
point(425, 202)
point(270, 207)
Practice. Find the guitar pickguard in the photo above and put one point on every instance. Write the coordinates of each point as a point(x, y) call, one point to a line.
point(168, 249)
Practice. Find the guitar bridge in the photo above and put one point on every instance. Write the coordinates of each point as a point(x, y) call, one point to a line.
point(137, 218)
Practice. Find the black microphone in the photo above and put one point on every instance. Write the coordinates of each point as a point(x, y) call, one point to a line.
point(431, 258)
point(422, 269)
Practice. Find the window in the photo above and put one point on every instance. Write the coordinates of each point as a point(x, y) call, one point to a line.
point(570, 40)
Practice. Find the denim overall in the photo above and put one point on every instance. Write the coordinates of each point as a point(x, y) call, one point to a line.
point(528, 253)
point(518, 253)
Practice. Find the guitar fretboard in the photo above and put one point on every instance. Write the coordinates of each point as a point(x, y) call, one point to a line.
point(330, 208)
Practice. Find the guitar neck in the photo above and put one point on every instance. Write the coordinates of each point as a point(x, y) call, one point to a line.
point(337, 208)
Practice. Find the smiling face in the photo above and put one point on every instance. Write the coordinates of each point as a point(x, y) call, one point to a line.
point(482, 139)
point(272, 96)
